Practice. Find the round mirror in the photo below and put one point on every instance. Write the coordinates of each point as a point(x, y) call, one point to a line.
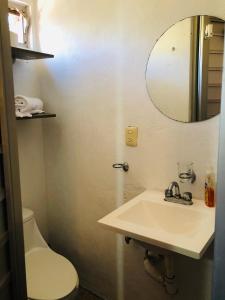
point(184, 71)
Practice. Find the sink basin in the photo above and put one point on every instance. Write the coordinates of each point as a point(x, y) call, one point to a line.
point(187, 230)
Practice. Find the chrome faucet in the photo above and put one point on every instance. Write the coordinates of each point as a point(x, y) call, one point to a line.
point(176, 196)
point(169, 192)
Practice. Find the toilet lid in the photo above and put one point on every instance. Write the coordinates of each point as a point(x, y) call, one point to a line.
point(49, 275)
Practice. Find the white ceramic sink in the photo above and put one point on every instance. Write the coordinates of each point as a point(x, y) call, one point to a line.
point(187, 230)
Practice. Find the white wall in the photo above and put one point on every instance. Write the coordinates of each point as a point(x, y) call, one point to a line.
point(96, 85)
point(168, 72)
point(30, 139)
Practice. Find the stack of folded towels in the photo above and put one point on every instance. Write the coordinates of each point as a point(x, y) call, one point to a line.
point(27, 106)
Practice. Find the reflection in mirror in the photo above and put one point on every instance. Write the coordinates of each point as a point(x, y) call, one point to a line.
point(184, 71)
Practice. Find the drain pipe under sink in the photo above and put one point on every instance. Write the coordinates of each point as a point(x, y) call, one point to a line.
point(170, 278)
point(151, 263)
point(159, 265)
point(167, 279)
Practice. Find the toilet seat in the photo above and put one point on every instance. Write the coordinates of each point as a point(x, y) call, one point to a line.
point(49, 275)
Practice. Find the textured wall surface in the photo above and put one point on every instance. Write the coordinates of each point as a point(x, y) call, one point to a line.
point(31, 150)
point(30, 138)
point(96, 85)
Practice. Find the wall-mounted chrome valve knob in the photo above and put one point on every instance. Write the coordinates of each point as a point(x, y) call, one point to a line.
point(123, 166)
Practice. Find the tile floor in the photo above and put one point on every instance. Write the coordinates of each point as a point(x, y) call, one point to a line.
point(84, 294)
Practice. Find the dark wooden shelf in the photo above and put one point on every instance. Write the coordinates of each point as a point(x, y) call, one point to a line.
point(217, 21)
point(218, 34)
point(216, 52)
point(38, 116)
point(214, 84)
point(27, 54)
point(214, 100)
point(215, 69)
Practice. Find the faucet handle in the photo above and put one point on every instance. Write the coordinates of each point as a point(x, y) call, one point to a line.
point(187, 196)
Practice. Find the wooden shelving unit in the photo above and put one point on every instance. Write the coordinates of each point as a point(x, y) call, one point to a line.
point(27, 54)
point(38, 116)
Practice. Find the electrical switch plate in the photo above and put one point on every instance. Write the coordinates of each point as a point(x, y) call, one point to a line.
point(131, 136)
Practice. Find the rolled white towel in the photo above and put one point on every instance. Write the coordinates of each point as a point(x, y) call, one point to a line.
point(26, 106)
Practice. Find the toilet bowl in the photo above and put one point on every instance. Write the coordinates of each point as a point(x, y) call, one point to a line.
point(50, 276)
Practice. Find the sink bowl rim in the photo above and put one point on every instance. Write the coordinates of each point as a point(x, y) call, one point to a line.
point(172, 242)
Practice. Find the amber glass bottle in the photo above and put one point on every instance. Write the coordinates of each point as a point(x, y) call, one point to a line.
point(210, 189)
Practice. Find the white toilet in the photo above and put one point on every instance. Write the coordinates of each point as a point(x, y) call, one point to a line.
point(50, 276)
